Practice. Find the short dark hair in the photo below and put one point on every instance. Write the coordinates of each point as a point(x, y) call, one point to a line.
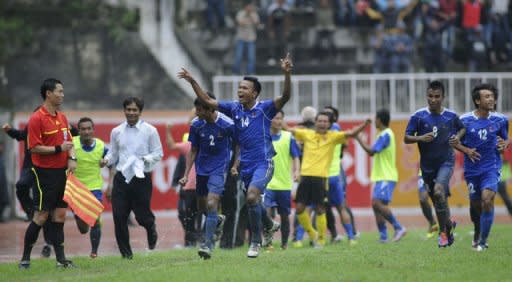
point(383, 116)
point(49, 84)
point(199, 103)
point(255, 83)
point(335, 113)
point(130, 100)
point(436, 85)
point(325, 113)
point(475, 93)
point(84, 119)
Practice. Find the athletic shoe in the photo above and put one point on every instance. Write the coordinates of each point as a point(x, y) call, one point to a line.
point(442, 241)
point(474, 245)
point(93, 255)
point(320, 243)
point(352, 242)
point(451, 236)
point(284, 246)
point(481, 247)
point(128, 257)
point(383, 241)
point(220, 227)
point(152, 237)
point(357, 235)
point(204, 252)
point(268, 233)
point(65, 264)
point(24, 265)
point(337, 239)
point(399, 234)
point(46, 251)
point(297, 244)
point(432, 230)
point(254, 250)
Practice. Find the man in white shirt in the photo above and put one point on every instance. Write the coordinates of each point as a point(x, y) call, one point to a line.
point(135, 148)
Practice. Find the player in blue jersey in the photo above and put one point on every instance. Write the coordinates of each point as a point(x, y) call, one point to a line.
point(487, 134)
point(436, 129)
point(252, 120)
point(210, 137)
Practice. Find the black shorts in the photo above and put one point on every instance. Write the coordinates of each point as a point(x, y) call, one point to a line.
point(312, 190)
point(49, 188)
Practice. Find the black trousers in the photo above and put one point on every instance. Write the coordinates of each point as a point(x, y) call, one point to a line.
point(189, 216)
point(126, 197)
point(23, 186)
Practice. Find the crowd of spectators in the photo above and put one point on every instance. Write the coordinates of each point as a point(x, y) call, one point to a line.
point(406, 35)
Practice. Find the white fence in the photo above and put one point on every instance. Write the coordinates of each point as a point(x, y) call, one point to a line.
point(357, 95)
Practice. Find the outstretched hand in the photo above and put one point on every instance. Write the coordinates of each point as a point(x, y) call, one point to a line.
point(287, 63)
point(6, 127)
point(185, 75)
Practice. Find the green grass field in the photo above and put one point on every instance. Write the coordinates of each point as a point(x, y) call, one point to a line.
point(413, 259)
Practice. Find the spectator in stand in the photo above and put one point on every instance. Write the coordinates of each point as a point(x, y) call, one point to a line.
point(497, 31)
point(401, 50)
point(216, 13)
point(471, 11)
point(380, 43)
point(324, 41)
point(433, 56)
point(247, 21)
point(448, 11)
point(392, 14)
point(478, 58)
point(278, 28)
point(346, 12)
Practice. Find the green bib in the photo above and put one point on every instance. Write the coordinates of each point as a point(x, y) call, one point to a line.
point(282, 179)
point(384, 166)
point(88, 167)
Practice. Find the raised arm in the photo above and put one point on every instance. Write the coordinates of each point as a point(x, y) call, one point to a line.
point(14, 133)
point(286, 66)
point(355, 130)
point(171, 144)
point(197, 89)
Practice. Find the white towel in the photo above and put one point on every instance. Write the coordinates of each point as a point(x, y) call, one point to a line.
point(133, 167)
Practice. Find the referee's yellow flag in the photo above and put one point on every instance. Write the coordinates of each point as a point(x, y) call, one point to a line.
point(83, 203)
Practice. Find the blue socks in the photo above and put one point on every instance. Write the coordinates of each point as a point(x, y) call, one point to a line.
point(394, 222)
point(486, 220)
point(349, 230)
point(210, 226)
point(383, 231)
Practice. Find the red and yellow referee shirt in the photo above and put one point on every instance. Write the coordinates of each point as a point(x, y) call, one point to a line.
point(45, 129)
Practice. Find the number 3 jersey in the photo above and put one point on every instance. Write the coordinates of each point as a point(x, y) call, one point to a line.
point(443, 126)
point(213, 142)
point(482, 135)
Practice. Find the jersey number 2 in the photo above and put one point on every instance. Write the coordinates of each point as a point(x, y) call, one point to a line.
point(212, 140)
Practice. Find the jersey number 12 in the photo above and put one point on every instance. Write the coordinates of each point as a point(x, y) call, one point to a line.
point(483, 134)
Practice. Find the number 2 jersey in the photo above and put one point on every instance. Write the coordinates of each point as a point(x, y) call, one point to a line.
point(213, 141)
point(443, 125)
point(482, 134)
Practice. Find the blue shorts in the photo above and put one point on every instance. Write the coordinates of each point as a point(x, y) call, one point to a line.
point(383, 190)
point(336, 194)
point(487, 180)
point(98, 194)
point(280, 199)
point(257, 174)
point(209, 184)
point(441, 175)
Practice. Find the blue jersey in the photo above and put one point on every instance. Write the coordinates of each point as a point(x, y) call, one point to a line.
point(252, 129)
point(433, 154)
point(213, 142)
point(482, 134)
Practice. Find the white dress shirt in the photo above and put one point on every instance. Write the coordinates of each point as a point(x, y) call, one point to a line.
point(130, 146)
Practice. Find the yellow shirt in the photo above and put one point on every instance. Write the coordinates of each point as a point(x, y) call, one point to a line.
point(318, 150)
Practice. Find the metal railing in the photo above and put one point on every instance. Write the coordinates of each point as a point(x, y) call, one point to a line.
point(357, 95)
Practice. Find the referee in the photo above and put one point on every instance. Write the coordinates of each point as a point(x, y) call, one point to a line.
point(49, 140)
point(135, 148)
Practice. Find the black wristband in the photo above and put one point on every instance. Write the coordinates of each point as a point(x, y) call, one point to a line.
point(58, 149)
